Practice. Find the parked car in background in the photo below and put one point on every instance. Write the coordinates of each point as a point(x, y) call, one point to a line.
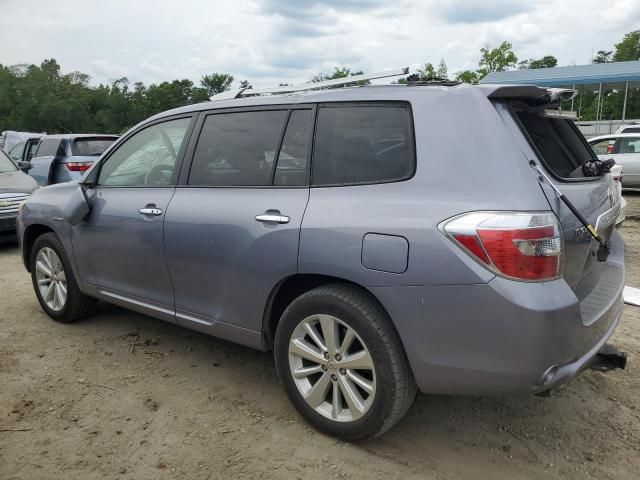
point(15, 188)
point(325, 227)
point(10, 138)
point(624, 148)
point(62, 158)
point(629, 128)
point(24, 151)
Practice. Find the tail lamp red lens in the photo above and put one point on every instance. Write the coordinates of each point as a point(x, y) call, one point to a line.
point(78, 166)
point(521, 246)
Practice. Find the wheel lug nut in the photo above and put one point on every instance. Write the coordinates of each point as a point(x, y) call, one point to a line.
point(334, 378)
point(324, 367)
point(343, 371)
point(338, 357)
point(326, 355)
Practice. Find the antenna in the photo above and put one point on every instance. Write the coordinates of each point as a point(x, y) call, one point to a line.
point(245, 92)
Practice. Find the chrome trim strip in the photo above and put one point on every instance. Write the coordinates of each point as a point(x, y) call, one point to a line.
point(139, 303)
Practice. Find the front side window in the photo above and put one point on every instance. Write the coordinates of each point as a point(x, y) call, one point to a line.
point(6, 165)
point(148, 158)
point(17, 151)
point(361, 144)
point(237, 149)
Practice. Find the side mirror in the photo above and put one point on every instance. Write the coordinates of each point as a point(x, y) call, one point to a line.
point(24, 166)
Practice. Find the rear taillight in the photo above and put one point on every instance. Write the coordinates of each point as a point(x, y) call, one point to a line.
point(522, 246)
point(78, 166)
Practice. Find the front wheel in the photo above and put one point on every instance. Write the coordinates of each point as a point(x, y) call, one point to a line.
point(342, 363)
point(54, 282)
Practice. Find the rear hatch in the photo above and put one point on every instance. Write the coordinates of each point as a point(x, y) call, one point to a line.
point(86, 150)
point(559, 148)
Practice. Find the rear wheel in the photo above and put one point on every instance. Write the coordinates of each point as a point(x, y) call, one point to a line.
point(342, 363)
point(54, 283)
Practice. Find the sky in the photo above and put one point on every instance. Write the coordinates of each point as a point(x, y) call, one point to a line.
point(273, 41)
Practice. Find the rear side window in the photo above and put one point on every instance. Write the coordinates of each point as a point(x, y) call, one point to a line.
point(361, 144)
point(558, 141)
point(628, 145)
point(237, 149)
point(91, 146)
point(50, 147)
point(292, 159)
point(631, 130)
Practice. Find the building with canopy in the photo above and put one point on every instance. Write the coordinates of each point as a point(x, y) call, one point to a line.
point(595, 77)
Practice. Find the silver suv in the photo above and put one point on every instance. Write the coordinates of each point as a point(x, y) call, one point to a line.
point(378, 239)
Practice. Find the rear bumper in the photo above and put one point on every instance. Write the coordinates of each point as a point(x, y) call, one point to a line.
point(503, 336)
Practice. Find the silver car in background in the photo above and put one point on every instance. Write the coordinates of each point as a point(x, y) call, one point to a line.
point(624, 148)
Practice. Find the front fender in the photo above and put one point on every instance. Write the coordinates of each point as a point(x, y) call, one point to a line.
point(44, 212)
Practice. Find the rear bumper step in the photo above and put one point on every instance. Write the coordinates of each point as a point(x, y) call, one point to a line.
point(608, 358)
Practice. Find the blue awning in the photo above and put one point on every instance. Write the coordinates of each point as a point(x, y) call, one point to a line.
point(609, 73)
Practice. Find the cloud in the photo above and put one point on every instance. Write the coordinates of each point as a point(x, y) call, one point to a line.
point(315, 10)
point(474, 11)
point(273, 41)
point(105, 68)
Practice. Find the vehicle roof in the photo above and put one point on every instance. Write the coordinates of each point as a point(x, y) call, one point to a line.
point(354, 94)
point(614, 135)
point(71, 136)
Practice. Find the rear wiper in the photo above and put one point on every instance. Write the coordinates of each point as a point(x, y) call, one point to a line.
point(603, 249)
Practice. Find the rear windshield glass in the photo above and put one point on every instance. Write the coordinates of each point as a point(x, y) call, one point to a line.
point(89, 147)
point(558, 141)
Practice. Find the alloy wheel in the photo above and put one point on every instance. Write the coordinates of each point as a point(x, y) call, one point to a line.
point(332, 368)
point(51, 278)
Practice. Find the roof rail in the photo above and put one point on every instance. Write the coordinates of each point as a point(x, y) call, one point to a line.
point(248, 92)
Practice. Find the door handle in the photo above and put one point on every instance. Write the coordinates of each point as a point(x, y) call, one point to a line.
point(272, 218)
point(150, 211)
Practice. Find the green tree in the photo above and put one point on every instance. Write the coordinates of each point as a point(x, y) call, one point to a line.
point(340, 72)
point(442, 71)
point(548, 61)
point(496, 59)
point(603, 56)
point(629, 48)
point(216, 83)
point(467, 76)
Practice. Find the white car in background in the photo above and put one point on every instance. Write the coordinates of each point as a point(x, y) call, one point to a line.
point(624, 148)
point(629, 128)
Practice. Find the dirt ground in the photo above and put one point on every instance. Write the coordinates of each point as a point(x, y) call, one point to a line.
point(121, 395)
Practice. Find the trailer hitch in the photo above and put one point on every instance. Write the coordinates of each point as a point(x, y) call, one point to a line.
point(608, 358)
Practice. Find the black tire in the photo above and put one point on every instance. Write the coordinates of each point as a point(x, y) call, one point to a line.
point(77, 305)
point(395, 385)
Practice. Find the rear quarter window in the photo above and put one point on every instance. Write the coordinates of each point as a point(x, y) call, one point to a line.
point(363, 144)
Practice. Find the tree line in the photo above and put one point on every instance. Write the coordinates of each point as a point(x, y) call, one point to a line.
point(40, 98)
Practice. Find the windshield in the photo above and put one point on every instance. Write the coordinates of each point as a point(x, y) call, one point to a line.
point(6, 165)
point(88, 147)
